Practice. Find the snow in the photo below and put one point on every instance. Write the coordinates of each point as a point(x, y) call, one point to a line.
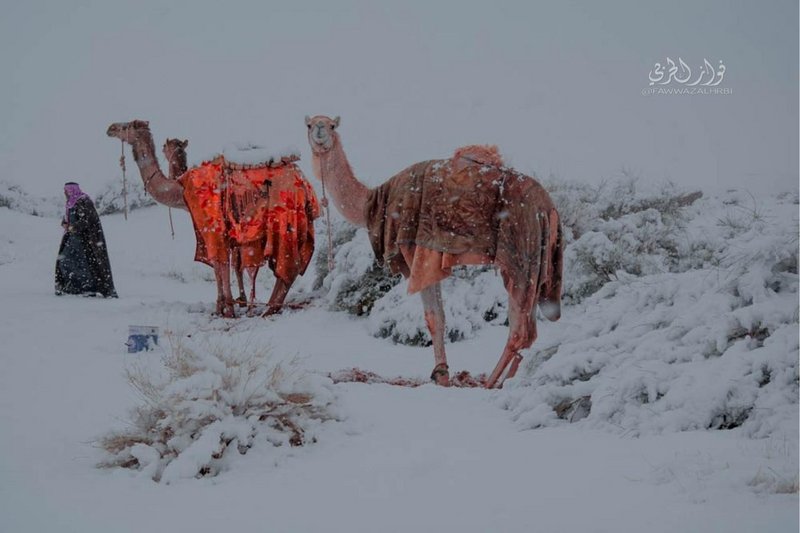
point(677, 320)
point(652, 351)
point(246, 153)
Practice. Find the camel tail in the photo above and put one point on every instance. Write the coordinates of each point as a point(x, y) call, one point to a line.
point(551, 267)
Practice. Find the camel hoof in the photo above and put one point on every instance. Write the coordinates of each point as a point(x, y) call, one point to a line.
point(271, 310)
point(441, 375)
point(500, 374)
point(226, 310)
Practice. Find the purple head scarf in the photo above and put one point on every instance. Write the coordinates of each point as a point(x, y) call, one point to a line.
point(74, 193)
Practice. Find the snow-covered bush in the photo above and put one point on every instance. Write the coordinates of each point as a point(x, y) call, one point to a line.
point(635, 244)
point(110, 199)
point(711, 347)
point(472, 297)
point(581, 205)
point(357, 281)
point(15, 198)
point(620, 228)
point(205, 403)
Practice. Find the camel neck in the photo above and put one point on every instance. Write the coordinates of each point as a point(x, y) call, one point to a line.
point(177, 166)
point(144, 153)
point(349, 195)
point(163, 190)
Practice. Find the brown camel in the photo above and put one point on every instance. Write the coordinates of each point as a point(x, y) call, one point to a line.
point(175, 153)
point(466, 210)
point(269, 219)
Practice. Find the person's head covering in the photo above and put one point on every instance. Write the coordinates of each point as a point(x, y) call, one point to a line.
point(74, 193)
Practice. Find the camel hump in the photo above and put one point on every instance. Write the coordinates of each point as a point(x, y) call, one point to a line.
point(480, 154)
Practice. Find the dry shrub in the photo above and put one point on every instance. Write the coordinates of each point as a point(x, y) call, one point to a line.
point(205, 403)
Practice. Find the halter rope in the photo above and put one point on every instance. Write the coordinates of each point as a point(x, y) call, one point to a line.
point(124, 180)
point(146, 184)
point(169, 209)
point(328, 216)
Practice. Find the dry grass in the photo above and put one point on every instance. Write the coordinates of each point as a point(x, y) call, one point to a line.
point(225, 395)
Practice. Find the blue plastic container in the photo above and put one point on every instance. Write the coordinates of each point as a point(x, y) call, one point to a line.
point(142, 338)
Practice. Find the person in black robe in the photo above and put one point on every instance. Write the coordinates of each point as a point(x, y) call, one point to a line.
point(82, 266)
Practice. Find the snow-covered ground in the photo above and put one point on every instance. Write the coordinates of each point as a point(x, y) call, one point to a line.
point(427, 458)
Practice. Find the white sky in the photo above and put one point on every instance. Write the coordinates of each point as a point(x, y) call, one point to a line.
point(556, 85)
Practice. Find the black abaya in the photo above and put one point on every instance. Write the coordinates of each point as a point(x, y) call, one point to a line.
point(82, 266)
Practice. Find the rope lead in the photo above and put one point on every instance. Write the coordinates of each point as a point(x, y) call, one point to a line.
point(328, 216)
point(124, 180)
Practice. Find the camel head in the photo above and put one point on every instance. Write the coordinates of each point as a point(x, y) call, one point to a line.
point(128, 131)
point(322, 134)
point(175, 152)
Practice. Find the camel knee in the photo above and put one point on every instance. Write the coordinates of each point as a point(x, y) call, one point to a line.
point(522, 335)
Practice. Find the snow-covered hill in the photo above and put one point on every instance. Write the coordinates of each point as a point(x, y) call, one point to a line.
point(680, 319)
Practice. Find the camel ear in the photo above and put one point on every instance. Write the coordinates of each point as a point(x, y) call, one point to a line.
point(336, 122)
point(308, 120)
point(185, 143)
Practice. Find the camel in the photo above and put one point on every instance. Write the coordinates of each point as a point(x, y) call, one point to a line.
point(262, 211)
point(466, 210)
point(175, 152)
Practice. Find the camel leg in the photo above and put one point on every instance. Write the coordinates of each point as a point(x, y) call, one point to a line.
point(434, 318)
point(236, 262)
point(279, 293)
point(222, 271)
point(521, 334)
point(220, 293)
point(252, 272)
point(227, 309)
